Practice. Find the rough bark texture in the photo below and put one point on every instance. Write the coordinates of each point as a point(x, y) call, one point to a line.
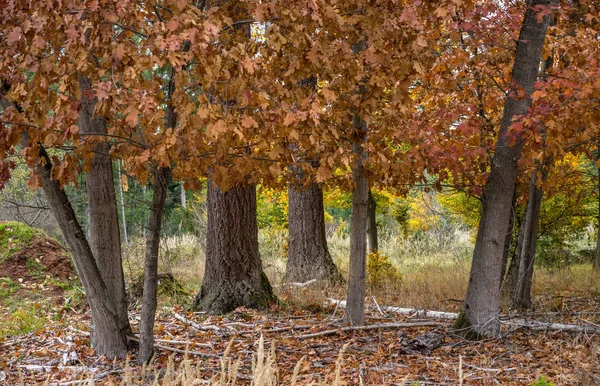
point(233, 273)
point(104, 235)
point(308, 256)
point(520, 274)
point(109, 336)
point(355, 310)
point(151, 264)
point(372, 223)
point(481, 308)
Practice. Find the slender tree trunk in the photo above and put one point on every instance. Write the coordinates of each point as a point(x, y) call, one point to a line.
point(509, 238)
point(522, 268)
point(183, 196)
point(144, 214)
point(481, 309)
point(234, 275)
point(308, 256)
point(155, 218)
point(110, 335)
point(597, 255)
point(372, 223)
point(122, 201)
point(355, 309)
point(105, 239)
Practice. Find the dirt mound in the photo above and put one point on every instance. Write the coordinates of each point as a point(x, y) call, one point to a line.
point(39, 257)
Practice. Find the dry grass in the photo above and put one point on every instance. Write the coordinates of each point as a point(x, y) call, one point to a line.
point(434, 269)
point(190, 373)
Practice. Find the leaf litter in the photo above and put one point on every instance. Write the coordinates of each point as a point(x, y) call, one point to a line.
point(290, 347)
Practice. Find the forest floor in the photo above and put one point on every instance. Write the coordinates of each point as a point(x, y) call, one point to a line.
point(44, 336)
point(309, 347)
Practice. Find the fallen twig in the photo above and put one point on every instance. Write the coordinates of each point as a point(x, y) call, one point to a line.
point(178, 350)
point(295, 284)
point(373, 327)
point(185, 342)
point(194, 324)
point(46, 368)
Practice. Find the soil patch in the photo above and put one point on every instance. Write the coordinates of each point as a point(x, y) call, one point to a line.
point(40, 257)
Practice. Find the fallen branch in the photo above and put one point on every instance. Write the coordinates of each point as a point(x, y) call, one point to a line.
point(184, 342)
point(77, 369)
point(531, 324)
point(408, 311)
point(536, 325)
point(178, 350)
point(374, 327)
point(295, 284)
point(194, 324)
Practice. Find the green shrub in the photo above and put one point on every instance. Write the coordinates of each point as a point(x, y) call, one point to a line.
point(380, 271)
point(542, 381)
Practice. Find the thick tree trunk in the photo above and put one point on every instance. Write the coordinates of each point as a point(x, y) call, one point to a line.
point(372, 223)
point(151, 264)
point(308, 256)
point(109, 337)
point(233, 270)
point(521, 268)
point(355, 310)
point(481, 309)
point(104, 235)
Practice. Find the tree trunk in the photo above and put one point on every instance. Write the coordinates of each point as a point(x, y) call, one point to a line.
point(597, 255)
point(109, 337)
point(122, 202)
point(355, 310)
point(481, 309)
point(183, 198)
point(308, 256)
point(372, 224)
point(151, 264)
point(233, 270)
point(155, 218)
point(521, 273)
point(509, 238)
point(103, 220)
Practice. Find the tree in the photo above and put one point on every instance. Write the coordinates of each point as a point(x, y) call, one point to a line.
point(481, 308)
point(233, 270)
point(308, 256)
point(104, 234)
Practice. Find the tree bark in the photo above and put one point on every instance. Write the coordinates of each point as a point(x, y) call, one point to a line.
point(155, 218)
point(372, 224)
point(597, 255)
point(122, 203)
point(109, 337)
point(481, 309)
point(233, 270)
point(308, 256)
point(355, 310)
point(509, 238)
point(103, 220)
point(521, 268)
point(151, 264)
